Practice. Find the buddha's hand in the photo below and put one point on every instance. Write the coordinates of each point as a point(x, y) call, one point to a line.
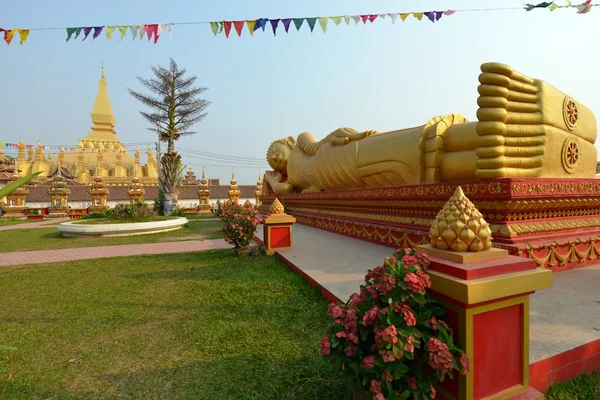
point(342, 137)
point(273, 177)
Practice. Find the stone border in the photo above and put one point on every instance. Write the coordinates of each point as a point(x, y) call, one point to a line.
point(74, 229)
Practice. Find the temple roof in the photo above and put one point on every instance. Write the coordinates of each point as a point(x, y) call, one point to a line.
point(63, 171)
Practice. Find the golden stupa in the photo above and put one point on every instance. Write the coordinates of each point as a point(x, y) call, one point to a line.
point(100, 153)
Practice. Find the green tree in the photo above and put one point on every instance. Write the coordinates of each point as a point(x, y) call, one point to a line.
point(175, 106)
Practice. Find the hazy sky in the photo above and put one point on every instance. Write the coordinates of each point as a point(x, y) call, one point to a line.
point(380, 76)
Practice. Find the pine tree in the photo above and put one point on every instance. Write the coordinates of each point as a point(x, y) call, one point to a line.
point(175, 106)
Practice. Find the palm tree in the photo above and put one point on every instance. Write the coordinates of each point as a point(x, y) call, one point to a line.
point(175, 107)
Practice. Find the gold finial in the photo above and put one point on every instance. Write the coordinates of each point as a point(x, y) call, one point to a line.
point(459, 226)
point(276, 207)
point(102, 69)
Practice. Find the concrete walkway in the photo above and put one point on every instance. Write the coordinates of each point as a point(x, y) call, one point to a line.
point(562, 317)
point(87, 253)
point(28, 225)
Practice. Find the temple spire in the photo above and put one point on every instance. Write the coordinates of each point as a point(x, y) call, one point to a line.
point(102, 113)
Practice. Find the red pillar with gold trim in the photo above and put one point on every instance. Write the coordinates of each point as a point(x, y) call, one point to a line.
point(277, 229)
point(486, 293)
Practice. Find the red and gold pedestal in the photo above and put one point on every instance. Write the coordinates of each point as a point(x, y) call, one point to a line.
point(487, 298)
point(277, 229)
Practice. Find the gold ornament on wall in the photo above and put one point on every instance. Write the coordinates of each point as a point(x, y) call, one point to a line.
point(459, 226)
point(571, 154)
point(570, 113)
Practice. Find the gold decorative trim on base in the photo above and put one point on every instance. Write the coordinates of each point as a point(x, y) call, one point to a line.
point(463, 257)
point(491, 288)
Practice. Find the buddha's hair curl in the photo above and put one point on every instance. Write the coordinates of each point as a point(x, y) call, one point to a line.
point(289, 141)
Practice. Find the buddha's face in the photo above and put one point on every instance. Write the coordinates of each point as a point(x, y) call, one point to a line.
point(278, 156)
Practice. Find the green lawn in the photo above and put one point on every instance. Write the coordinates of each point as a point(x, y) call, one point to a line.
point(202, 325)
point(584, 387)
point(7, 222)
point(50, 238)
point(202, 216)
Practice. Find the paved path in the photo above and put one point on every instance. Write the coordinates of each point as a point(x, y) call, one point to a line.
point(28, 225)
point(563, 317)
point(86, 253)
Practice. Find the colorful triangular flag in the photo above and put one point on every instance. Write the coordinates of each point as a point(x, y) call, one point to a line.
point(97, 32)
point(449, 12)
point(356, 18)
point(9, 34)
point(274, 25)
point(109, 32)
point(545, 4)
point(364, 18)
point(122, 31)
point(227, 25)
point(336, 20)
point(286, 23)
point(298, 23)
point(403, 16)
point(311, 22)
point(323, 23)
point(584, 7)
point(382, 16)
point(251, 24)
point(23, 35)
point(160, 29)
point(239, 25)
point(263, 23)
point(71, 31)
point(214, 27)
point(372, 17)
point(86, 32)
point(134, 31)
point(393, 17)
point(418, 16)
point(347, 19)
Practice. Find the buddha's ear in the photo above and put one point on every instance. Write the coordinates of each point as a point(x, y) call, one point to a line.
point(291, 141)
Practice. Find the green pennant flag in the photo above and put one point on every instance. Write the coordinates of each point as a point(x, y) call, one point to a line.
point(311, 23)
point(298, 22)
point(215, 27)
point(109, 32)
point(323, 23)
point(336, 20)
point(122, 31)
point(71, 31)
point(221, 24)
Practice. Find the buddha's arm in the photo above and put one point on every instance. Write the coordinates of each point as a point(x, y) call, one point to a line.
point(339, 137)
point(273, 179)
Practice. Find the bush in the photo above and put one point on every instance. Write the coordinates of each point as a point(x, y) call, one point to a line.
point(178, 212)
point(94, 215)
point(240, 223)
point(122, 211)
point(389, 338)
point(141, 210)
point(159, 203)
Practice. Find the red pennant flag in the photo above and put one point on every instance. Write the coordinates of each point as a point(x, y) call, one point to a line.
point(372, 17)
point(227, 27)
point(364, 18)
point(150, 30)
point(239, 25)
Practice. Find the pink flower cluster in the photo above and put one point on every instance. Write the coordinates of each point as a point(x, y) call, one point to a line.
point(417, 281)
point(440, 357)
point(409, 317)
point(240, 222)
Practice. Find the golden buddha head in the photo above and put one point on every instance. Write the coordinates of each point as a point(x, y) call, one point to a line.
point(279, 153)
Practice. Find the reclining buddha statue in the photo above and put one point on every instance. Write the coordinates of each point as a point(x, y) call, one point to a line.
point(525, 128)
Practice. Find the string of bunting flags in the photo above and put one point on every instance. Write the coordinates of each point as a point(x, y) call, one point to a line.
point(154, 31)
point(35, 146)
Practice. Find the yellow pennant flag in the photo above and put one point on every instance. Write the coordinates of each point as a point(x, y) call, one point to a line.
point(418, 16)
point(403, 16)
point(323, 23)
point(251, 25)
point(109, 32)
point(23, 34)
point(336, 20)
point(122, 32)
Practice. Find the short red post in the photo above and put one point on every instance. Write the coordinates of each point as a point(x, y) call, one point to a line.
point(277, 229)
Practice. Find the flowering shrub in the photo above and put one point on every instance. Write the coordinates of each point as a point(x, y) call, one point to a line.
point(240, 223)
point(389, 337)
